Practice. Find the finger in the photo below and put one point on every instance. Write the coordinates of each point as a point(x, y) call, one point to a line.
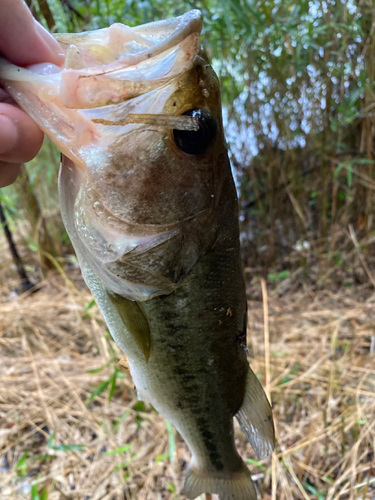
point(24, 41)
point(5, 97)
point(20, 137)
point(8, 173)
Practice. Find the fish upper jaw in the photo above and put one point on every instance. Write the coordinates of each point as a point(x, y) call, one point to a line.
point(113, 64)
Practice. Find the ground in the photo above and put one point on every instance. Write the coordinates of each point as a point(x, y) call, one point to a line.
point(71, 426)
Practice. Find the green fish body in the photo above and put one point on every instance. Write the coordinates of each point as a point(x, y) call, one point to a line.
point(149, 202)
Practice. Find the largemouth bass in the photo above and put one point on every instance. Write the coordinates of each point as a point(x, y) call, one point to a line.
point(149, 203)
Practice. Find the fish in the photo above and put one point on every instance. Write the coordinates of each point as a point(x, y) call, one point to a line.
point(149, 202)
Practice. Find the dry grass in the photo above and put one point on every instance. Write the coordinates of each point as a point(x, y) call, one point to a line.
point(66, 433)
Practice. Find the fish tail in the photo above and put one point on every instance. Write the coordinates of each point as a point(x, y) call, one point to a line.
point(229, 486)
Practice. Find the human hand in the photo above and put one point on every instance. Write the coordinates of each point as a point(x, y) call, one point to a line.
point(23, 41)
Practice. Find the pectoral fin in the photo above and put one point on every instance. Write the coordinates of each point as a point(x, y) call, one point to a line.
point(134, 321)
point(255, 417)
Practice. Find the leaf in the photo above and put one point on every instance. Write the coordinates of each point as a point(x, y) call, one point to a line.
point(21, 464)
point(34, 492)
point(7, 202)
point(170, 487)
point(314, 491)
point(139, 406)
point(295, 369)
point(350, 175)
point(68, 447)
point(100, 369)
point(44, 493)
point(364, 161)
point(353, 96)
point(122, 449)
point(120, 467)
point(64, 447)
point(348, 164)
point(33, 247)
point(43, 457)
point(241, 14)
point(162, 457)
point(89, 305)
point(112, 385)
point(339, 168)
point(283, 275)
point(284, 380)
point(123, 417)
point(171, 440)
point(102, 387)
point(257, 463)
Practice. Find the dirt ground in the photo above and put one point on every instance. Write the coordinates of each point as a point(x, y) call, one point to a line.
point(71, 426)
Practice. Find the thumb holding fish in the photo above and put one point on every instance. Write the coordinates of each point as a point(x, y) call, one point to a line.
point(24, 42)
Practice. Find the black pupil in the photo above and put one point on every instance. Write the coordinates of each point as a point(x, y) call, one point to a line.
point(196, 142)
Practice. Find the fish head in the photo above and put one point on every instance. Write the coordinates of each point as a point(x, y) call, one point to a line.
point(136, 113)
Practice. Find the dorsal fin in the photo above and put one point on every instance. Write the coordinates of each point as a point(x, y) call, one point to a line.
point(134, 321)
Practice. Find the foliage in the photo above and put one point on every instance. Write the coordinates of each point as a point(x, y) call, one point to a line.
point(297, 86)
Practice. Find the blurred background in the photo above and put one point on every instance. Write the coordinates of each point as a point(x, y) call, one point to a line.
point(297, 80)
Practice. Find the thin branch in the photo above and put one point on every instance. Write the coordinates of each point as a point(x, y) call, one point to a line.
point(26, 283)
point(266, 338)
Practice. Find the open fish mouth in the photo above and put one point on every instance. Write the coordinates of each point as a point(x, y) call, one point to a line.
point(104, 68)
point(106, 111)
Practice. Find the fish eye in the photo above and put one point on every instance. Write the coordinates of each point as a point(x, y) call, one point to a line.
point(196, 142)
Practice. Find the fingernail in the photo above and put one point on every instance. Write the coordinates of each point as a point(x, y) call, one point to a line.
point(51, 43)
point(8, 134)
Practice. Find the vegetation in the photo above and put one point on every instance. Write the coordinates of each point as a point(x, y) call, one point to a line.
point(298, 90)
point(72, 427)
point(297, 82)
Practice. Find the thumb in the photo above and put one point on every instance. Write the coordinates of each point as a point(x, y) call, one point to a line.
point(24, 41)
